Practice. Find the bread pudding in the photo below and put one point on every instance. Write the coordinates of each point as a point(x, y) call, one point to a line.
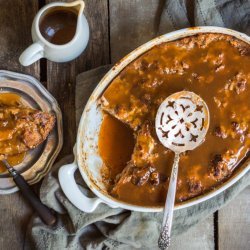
point(136, 166)
point(21, 128)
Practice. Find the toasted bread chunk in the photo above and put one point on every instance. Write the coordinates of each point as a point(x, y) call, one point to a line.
point(23, 128)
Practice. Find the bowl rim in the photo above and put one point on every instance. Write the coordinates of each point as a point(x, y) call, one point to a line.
point(104, 83)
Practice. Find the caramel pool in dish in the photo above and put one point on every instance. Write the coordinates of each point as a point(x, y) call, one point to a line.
point(214, 66)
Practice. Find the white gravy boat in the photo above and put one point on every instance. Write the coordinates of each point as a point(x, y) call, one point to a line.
point(57, 53)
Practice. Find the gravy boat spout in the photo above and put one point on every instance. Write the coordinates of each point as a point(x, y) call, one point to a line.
point(77, 6)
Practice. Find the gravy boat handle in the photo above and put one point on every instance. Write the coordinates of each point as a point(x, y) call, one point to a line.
point(32, 54)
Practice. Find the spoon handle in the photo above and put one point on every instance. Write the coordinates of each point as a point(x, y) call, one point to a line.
point(43, 211)
point(164, 239)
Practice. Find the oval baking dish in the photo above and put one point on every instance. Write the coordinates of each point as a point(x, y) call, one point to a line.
point(87, 157)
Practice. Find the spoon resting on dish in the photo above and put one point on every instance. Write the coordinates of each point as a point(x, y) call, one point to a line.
point(181, 124)
point(22, 129)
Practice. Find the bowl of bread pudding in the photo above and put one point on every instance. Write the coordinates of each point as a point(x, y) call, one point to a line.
point(117, 151)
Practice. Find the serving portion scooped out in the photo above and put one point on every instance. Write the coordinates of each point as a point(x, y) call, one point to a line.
point(21, 128)
point(214, 66)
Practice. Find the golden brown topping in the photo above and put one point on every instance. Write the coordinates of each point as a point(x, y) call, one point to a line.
point(214, 66)
point(219, 132)
point(237, 83)
point(23, 128)
point(141, 175)
point(195, 186)
point(221, 165)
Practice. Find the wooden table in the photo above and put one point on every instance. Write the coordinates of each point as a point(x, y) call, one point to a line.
point(117, 27)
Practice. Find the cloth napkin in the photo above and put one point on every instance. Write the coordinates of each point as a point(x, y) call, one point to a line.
point(108, 228)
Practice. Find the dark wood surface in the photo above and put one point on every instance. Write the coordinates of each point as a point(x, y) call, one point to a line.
point(16, 18)
point(117, 27)
point(15, 24)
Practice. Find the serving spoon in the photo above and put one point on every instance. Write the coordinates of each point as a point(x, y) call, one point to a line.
point(181, 124)
point(43, 211)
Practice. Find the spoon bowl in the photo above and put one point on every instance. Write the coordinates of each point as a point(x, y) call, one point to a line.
point(182, 121)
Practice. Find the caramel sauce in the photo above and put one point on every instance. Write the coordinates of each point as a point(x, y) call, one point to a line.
point(9, 100)
point(116, 145)
point(58, 25)
point(214, 66)
point(13, 161)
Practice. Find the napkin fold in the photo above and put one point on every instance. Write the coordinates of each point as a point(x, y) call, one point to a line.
point(108, 228)
point(178, 14)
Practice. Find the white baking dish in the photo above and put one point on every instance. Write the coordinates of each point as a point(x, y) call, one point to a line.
point(87, 158)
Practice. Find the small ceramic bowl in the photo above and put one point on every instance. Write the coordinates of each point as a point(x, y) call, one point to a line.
point(87, 158)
